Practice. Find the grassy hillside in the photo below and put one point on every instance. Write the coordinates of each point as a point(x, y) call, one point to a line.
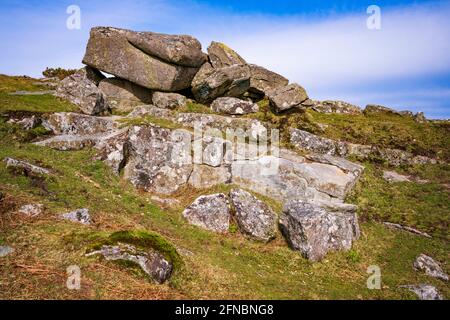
point(214, 266)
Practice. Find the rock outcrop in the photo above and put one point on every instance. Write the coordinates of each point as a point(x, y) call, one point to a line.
point(125, 54)
point(211, 212)
point(332, 106)
point(310, 142)
point(263, 81)
point(82, 90)
point(314, 231)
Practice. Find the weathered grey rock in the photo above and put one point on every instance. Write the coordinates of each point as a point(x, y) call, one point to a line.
point(425, 292)
point(210, 212)
point(81, 89)
point(157, 159)
point(210, 83)
point(5, 250)
point(182, 50)
point(27, 168)
point(392, 176)
point(339, 162)
point(31, 210)
point(151, 262)
point(153, 111)
point(233, 106)
point(288, 97)
point(31, 93)
point(263, 81)
point(397, 226)
point(26, 123)
point(374, 109)
point(110, 50)
point(80, 216)
point(111, 149)
point(314, 231)
point(420, 117)
point(254, 218)
point(331, 106)
point(311, 142)
point(68, 142)
point(430, 267)
point(285, 180)
point(63, 123)
point(221, 55)
point(122, 95)
point(204, 176)
point(169, 100)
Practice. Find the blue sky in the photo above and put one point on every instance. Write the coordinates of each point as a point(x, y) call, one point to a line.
point(323, 45)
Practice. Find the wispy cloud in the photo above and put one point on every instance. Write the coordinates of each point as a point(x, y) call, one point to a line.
point(332, 56)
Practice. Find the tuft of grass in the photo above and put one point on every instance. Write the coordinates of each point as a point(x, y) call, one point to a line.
point(150, 120)
point(194, 107)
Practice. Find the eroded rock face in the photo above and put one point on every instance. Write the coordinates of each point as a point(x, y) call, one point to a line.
point(430, 267)
point(31, 210)
point(288, 97)
point(233, 106)
point(82, 90)
point(110, 50)
point(374, 109)
point(169, 100)
point(151, 262)
point(79, 216)
point(210, 212)
point(425, 292)
point(331, 106)
point(284, 179)
point(255, 219)
point(263, 81)
point(153, 159)
point(210, 83)
point(315, 231)
point(63, 123)
point(221, 55)
point(123, 95)
point(320, 145)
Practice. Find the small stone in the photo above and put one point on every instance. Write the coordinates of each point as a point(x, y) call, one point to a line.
point(430, 266)
point(81, 216)
point(32, 210)
point(5, 250)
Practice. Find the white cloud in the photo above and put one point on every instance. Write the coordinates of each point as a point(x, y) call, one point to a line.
point(332, 57)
